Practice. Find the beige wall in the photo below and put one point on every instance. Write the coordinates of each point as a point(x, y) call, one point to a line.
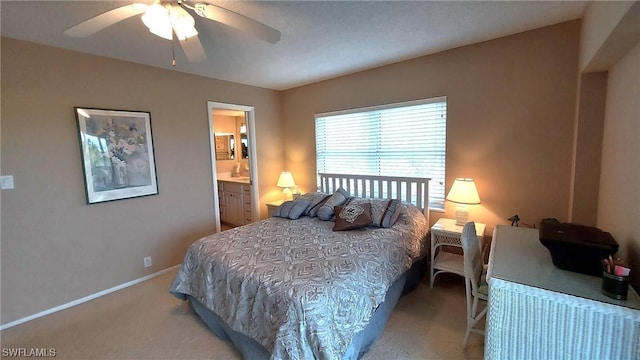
point(601, 21)
point(619, 200)
point(610, 43)
point(587, 148)
point(55, 247)
point(511, 106)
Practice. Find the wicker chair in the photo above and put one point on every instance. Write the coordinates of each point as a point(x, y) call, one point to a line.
point(475, 279)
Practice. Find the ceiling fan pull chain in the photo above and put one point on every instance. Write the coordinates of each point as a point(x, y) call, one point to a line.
point(173, 51)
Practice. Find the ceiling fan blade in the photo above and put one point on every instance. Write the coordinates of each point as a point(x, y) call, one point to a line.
point(193, 49)
point(238, 21)
point(106, 19)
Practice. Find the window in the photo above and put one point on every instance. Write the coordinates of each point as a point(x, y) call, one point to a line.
point(405, 139)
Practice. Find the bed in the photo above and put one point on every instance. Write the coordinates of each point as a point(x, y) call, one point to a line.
point(310, 284)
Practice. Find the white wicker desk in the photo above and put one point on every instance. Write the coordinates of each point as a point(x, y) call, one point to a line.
point(538, 311)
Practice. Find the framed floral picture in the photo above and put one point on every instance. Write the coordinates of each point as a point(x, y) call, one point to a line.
point(117, 154)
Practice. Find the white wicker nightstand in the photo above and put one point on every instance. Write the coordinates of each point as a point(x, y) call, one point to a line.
point(445, 232)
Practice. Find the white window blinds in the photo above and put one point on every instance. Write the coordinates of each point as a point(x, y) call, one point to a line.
point(406, 139)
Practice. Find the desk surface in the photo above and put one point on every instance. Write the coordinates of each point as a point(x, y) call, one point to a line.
point(518, 256)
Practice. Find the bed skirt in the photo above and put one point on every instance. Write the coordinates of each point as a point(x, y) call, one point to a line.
point(361, 343)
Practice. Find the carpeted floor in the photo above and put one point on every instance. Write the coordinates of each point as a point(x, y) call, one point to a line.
point(146, 322)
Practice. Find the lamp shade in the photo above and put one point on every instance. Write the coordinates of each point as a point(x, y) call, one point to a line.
point(464, 191)
point(285, 180)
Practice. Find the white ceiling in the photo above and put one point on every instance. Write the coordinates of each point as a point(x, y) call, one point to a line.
point(320, 39)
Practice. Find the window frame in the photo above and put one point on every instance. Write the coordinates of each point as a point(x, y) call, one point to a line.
point(434, 205)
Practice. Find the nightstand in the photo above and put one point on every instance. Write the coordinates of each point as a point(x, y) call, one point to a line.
point(272, 206)
point(445, 232)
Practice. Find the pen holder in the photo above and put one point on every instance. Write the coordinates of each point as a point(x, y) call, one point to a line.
point(615, 286)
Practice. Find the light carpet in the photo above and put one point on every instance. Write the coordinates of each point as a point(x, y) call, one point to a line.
point(146, 322)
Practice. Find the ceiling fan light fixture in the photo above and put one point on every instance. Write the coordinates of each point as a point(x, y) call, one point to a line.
point(157, 19)
point(162, 31)
point(155, 15)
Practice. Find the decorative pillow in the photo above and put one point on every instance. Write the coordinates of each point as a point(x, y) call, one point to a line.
point(352, 216)
point(325, 212)
point(317, 199)
point(291, 209)
point(394, 209)
point(384, 212)
point(378, 207)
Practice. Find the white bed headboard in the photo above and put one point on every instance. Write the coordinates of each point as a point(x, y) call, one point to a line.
point(409, 189)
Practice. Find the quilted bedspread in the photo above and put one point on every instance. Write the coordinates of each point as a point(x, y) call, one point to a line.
point(297, 287)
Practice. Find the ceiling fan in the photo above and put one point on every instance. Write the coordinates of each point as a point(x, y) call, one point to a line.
point(166, 18)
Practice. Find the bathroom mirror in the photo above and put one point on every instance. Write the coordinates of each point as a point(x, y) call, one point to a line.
point(225, 146)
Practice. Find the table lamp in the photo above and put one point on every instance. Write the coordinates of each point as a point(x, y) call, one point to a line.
point(286, 182)
point(463, 192)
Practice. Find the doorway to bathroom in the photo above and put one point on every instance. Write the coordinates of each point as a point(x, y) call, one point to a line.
point(233, 163)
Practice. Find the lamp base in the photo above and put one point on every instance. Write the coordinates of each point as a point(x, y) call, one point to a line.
point(462, 215)
point(286, 192)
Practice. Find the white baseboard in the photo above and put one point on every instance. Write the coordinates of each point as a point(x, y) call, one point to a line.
point(86, 298)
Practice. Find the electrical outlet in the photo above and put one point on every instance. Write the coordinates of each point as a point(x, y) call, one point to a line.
point(147, 261)
point(6, 182)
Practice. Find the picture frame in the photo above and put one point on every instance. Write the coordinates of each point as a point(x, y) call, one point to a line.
point(117, 153)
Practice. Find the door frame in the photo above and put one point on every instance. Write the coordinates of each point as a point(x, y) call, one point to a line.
point(253, 163)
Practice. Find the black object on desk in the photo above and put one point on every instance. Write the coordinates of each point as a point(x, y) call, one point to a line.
point(576, 247)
